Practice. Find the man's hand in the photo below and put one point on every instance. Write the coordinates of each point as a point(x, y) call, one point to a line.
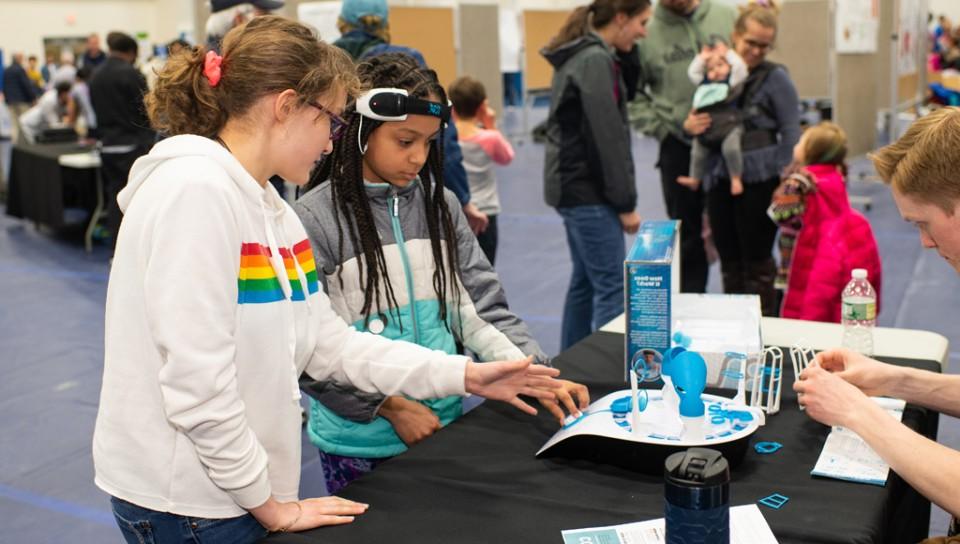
point(411, 420)
point(630, 222)
point(871, 376)
point(477, 220)
point(696, 123)
point(504, 380)
point(831, 400)
point(572, 396)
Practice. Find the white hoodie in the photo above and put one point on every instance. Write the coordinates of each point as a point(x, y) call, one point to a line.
point(207, 331)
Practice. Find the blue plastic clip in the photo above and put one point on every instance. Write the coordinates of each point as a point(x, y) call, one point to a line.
point(775, 501)
point(767, 447)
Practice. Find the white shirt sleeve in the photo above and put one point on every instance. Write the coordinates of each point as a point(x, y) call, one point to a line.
point(190, 285)
point(374, 364)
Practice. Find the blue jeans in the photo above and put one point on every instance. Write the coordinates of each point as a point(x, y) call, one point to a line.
point(144, 526)
point(595, 295)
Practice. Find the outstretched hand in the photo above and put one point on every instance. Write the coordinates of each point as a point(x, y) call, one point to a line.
point(505, 380)
point(572, 396)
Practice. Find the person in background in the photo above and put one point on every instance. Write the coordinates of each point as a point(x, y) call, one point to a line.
point(742, 230)
point(66, 70)
point(80, 104)
point(483, 146)
point(33, 72)
point(116, 92)
point(365, 32)
point(588, 174)
point(48, 69)
point(228, 14)
point(93, 56)
point(719, 73)
point(18, 91)
point(921, 169)
point(48, 112)
point(662, 109)
point(822, 239)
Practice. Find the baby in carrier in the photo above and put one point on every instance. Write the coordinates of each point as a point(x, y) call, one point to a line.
point(719, 73)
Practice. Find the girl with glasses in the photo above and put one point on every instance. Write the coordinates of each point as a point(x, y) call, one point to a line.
point(214, 308)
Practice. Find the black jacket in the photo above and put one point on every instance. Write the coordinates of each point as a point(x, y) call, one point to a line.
point(17, 87)
point(588, 157)
point(117, 91)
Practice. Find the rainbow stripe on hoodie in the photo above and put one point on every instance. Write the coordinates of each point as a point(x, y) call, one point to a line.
point(257, 281)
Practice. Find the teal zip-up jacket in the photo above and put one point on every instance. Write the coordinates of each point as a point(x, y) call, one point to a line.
point(665, 92)
point(345, 421)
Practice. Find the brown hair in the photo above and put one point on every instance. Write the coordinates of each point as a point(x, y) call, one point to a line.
point(267, 55)
point(598, 15)
point(467, 95)
point(923, 163)
point(825, 143)
point(762, 12)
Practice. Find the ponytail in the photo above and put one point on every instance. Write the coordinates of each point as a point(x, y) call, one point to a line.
point(597, 15)
point(184, 102)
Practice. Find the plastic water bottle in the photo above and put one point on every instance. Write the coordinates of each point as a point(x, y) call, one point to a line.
point(859, 313)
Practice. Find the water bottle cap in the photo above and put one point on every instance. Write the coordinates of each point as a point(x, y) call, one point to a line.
point(859, 273)
point(700, 467)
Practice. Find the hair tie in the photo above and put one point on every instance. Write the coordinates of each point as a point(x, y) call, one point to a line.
point(211, 67)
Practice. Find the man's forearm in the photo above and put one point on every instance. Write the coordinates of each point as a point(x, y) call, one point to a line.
point(930, 468)
point(940, 392)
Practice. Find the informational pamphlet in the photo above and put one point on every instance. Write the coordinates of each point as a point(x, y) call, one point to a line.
point(845, 456)
point(747, 526)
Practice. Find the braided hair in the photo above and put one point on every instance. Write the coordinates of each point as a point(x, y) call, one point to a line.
point(344, 170)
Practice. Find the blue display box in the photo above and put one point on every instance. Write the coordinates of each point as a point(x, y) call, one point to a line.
point(651, 274)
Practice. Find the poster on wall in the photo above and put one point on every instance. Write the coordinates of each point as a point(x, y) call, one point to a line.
point(857, 22)
point(322, 16)
point(908, 36)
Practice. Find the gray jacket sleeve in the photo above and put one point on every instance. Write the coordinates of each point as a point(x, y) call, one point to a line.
point(481, 283)
point(787, 112)
point(344, 400)
point(604, 121)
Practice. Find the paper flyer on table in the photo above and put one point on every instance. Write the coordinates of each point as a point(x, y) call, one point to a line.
point(845, 456)
point(747, 526)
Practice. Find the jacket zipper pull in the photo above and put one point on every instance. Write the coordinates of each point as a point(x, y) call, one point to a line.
point(396, 206)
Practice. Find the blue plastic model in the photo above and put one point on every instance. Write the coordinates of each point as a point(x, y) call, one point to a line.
point(689, 375)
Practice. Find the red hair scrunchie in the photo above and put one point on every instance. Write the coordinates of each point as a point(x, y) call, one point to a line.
point(211, 67)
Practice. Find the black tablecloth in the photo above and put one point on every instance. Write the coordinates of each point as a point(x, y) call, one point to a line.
point(39, 189)
point(478, 481)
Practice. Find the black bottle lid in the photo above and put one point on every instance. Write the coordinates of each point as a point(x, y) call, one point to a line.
point(697, 478)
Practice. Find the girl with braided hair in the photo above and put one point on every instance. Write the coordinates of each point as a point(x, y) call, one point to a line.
point(398, 259)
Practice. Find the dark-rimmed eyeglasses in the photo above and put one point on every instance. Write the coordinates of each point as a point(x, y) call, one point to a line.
point(337, 124)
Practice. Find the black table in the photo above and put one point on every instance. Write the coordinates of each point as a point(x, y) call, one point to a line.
point(41, 190)
point(478, 481)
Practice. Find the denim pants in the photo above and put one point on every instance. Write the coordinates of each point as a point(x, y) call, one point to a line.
point(144, 526)
point(595, 295)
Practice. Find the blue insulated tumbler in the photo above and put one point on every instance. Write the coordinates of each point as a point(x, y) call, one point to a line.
point(697, 497)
